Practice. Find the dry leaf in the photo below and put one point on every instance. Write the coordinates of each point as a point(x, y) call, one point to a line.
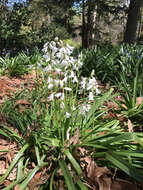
point(61, 185)
point(130, 126)
point(17, 187)
point(7, 182)
point(121, 117)
point(22, 101)
point(75, 139)
point(120, 184)
point(139, 100)
point(98, 175)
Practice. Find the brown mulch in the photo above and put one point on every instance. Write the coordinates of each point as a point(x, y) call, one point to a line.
point(9, 86)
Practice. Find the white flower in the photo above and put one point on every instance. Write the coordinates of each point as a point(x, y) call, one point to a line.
point(56, 39)
point(49, 80)
point(47, 69)
point(68, 51)
point(97, 91)
point(39, 66)
point(80, 64)
point(91, 96)
point(75, 79)
point(73, 108)
point(84, 109)
point(51, 97)
point(61, 83)
point(93, 73)
point(58, 70)
point(70, 47)
point(59, 55)
point(65, 79)
point(72, 75)
point(68, 133)
point(67, 58)
point(68, 115)
point(31, 66)
point(53, 43)
point(54, 50)
point(62, 96)
point(75, 67)
point(68, 89)
point(56, 82)
point(47, 57)
point(54, 62)
point(45, 49)
point(50, 86)
point(64, 63)
point(46, 45)
point(58, 94)
point(83, 82)
point(61, 61)
point(91, 84)
point(63, 50)
point(62, 105)
point(72, 60)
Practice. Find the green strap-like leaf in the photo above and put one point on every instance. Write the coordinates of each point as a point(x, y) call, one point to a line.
point(124, 166)
point(81, 185)
point(28, 178)
point(51, 180)
point(97, 104)
point(20, 153)
point(67, 175)
point(73, 161)
point(13, 184)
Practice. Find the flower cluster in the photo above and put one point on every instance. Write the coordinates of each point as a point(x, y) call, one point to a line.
point(62, 72)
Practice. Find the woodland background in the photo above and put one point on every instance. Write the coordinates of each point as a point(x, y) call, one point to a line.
point(26, 25)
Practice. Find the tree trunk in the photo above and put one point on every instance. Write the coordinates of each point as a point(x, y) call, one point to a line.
point(91, 18)
point(84, 32)
point(132, 21)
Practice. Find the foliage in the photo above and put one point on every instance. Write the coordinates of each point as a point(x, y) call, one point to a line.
point(109, 62)
point(102, 61)
point(62, 131)
point(50, 140)
point(15, 66)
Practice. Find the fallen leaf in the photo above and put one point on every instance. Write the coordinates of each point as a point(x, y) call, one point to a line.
point(75, 139)
point(120, 184)
point(98, 175)
point(139, 100)
point(17, 187)
point(121, 117)
point(130, 126)
point(7, 182)
point(22, 101)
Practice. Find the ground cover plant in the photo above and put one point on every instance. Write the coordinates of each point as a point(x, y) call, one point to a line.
point(61, 127)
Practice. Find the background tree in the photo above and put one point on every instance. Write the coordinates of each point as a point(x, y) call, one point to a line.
point(132, 21)
point(98, 18)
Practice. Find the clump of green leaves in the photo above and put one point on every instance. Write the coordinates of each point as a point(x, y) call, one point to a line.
point(15, 66)
point(109, 61)
point(50, 135)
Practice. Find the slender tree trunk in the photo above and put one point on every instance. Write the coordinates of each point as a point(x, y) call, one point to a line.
point(91, 18)
point(89, 24)
point(132, 21)
point(84, 33)
point(140, 26)
point(94, 14)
